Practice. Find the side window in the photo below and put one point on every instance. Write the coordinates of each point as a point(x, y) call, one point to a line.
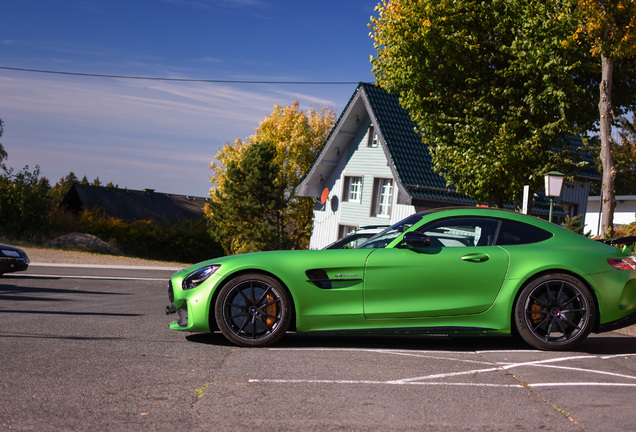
point(517, 233)
point(345, 230)
point(352, 189)
point(382, 197)
point(462, 232)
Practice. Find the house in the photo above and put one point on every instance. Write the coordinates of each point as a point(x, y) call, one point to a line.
point(131, 205)
point(624, 213)
point(374, 169)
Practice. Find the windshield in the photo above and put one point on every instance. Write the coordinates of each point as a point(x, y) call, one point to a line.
point(382, 239)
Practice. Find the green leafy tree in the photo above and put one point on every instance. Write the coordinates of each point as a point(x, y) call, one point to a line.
point(297, 137)
point(24, 202)
point(246, 210)
point(492, 86)
point(610, 27)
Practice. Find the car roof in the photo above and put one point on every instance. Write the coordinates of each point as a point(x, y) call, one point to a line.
point(4, 246)
point(500, 213)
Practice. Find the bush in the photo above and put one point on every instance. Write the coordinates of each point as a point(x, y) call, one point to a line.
point(186, 241)
point(625, 230)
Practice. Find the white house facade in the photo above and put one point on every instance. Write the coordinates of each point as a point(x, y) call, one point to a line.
point(360, 192)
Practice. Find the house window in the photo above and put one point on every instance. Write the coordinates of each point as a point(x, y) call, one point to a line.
point(352, 189)
point(372, 137)
point(345, 230)
point(382, 195)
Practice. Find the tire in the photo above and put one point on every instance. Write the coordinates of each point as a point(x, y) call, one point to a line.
point(253, 310)
point(555, 312)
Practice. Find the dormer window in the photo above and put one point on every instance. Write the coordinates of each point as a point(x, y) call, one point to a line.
point(372, 137)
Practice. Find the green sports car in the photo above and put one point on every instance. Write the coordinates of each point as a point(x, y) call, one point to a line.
point(470, 271)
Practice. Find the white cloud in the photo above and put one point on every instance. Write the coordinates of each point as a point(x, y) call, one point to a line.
point(135, 133)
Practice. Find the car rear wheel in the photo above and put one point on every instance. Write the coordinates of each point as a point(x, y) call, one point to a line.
point(253, 310)
point(555, 312)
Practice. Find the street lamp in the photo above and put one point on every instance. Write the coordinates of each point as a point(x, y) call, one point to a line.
point(553, 185)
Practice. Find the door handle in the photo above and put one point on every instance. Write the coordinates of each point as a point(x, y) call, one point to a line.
point(476, 257)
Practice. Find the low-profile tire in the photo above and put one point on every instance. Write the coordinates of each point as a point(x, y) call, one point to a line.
point(253, 310)
point(555, 312)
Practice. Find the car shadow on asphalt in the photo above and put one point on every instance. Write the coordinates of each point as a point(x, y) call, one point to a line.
point(605, 344)
point(403, 342)
point(10, 292)
point(608, 344)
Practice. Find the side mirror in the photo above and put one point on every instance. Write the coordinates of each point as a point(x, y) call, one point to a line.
point(416, 239)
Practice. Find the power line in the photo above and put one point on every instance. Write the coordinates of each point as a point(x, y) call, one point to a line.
point(177, 79)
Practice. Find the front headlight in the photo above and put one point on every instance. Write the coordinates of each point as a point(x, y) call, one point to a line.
point(199, 276)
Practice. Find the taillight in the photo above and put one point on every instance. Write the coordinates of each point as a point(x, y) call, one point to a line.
point(627, 263)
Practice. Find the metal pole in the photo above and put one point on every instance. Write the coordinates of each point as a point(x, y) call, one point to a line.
point(551, 204)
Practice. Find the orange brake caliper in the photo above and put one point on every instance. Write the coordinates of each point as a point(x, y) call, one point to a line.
point(272, 310)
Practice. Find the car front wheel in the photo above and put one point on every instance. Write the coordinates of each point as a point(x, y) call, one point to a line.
point(253, 310)
point(555, 312)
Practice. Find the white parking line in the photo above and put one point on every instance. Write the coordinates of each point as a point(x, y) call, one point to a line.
point(588, 371)
point(317, 381)
point(434, 379)
point(582, 384)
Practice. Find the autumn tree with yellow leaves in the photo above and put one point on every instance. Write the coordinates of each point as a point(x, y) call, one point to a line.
point(296, 137)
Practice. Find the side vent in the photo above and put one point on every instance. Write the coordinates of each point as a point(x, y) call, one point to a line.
point(319, 278)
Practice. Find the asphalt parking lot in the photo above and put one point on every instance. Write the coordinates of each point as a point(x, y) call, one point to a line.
point(87, 348)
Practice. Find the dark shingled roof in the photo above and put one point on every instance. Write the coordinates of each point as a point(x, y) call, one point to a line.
point(131, 205)
point(410, 156)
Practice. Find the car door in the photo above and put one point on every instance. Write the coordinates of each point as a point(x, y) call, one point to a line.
point(460, 272)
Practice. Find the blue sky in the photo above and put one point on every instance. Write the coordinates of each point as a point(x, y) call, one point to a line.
point(164, 134)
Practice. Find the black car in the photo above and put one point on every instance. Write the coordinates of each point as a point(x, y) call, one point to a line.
point(12, 259)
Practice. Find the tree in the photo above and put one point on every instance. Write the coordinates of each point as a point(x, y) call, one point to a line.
point(611, 28)
point(297, 137)
point(24, 202)
point(245, 211)
point(492, 86)
point(3, 153)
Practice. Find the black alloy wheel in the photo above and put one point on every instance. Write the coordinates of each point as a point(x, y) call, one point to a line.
point(252, 310)
point(555, 312)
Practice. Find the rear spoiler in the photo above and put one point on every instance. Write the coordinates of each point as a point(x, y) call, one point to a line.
point(627, 242)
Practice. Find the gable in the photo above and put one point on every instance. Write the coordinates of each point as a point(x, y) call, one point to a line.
point(408, 157)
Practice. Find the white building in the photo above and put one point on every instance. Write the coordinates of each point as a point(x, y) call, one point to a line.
point(624, 213)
